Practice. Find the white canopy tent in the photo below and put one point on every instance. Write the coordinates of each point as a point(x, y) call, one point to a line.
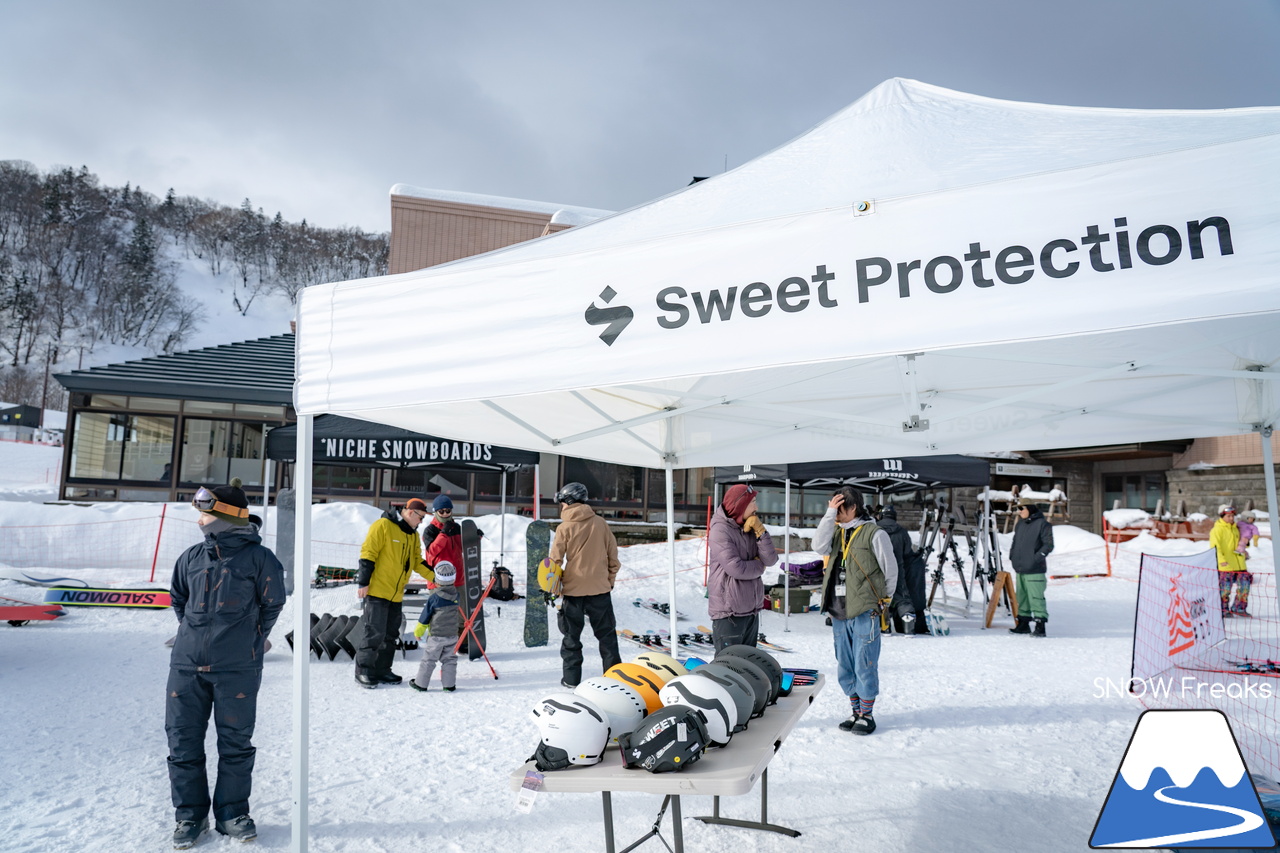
point(925, 272)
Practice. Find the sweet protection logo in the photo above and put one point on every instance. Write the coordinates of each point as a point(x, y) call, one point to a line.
point(1182, 782)
point(614, 319)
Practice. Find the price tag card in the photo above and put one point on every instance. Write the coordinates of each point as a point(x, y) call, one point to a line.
point(528, 791)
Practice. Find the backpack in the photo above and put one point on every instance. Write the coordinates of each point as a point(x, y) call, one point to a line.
point(503, 587)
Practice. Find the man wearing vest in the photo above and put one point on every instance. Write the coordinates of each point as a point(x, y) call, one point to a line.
point(860, 576)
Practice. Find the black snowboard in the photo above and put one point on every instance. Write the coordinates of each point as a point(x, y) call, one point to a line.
point(537, 540)
point(472, 588)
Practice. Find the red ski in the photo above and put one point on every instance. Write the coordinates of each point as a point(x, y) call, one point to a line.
point(17, 612)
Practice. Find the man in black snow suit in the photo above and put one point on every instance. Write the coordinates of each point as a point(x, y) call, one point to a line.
point(907, 608)
point(227, 593)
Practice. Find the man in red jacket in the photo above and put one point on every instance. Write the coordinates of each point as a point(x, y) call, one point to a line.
point(443, 536)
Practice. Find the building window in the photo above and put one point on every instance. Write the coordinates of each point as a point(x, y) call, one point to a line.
point(404, 481)
point(205, 407)
point(215, 451)
point(121, 447)
point(1133, 491)
point(342, 478)
point(605, 482)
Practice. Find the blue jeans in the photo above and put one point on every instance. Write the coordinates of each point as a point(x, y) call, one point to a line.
point(857, 642)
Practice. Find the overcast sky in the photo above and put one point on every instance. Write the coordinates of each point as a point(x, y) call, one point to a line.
point(315, 109)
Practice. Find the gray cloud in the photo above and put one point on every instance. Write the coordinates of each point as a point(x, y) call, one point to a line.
point(315, 109)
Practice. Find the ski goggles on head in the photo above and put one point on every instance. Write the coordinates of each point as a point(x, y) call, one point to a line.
point(207, 501)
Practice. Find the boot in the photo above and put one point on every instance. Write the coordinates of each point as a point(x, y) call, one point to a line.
point(1039, 630)
point(1023, 626)
point(921, 625)
point(899, 627)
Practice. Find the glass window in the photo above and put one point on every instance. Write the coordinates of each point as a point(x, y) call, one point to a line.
point(204, 451)
point(253, 410)
point(148, 448)
point(658, 487)
point(203, 407)
point(247, 442)
point(337, 477)
point(489, 485)
point(79, 493)
point(606, 482)
point(98, 445)
point(108, 401)
point(404, 481)
point(154, 404)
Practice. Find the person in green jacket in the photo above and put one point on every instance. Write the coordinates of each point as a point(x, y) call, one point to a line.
point(391, 553)
point(1225, 539)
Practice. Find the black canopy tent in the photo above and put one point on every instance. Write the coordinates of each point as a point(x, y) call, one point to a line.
point(882, 476)
point(347, 441)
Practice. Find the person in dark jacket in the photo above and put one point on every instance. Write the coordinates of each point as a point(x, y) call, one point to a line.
point(740, 550)
point(442, 538)
point(227, 592)
point(907, 608)
point(442, 615)
point(1032, 543)
point(391, 553)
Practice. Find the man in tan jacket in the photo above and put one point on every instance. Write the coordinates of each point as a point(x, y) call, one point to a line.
point(585, 547)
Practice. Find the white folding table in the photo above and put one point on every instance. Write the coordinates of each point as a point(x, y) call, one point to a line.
point(723, 772)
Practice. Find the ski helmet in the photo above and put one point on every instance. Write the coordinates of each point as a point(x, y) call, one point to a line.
point(755, 677)
point(744, 695)
point(573, 731)
point(550, 576)
point(644, 682)
point(709, 696)
point(664, 666)
point(623, 706)
point(572, 493)
point(669, 739)
point(762, 659)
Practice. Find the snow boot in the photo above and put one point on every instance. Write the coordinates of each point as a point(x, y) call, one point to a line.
point(847, 725)
point(1023, 626)
point(864, 725)
point(188, 832)
point(921, 628)
point(1039, 629)
point(899, 626)
point(240, 828)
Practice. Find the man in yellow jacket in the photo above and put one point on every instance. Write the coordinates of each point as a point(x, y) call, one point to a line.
point(391, 553)
point(1225, 539)
point(585, 546)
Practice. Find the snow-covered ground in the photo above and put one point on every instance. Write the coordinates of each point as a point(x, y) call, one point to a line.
point(987, 742)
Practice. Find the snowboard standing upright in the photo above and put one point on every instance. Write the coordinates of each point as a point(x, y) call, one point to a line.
point(472, 587)
point(537, 539)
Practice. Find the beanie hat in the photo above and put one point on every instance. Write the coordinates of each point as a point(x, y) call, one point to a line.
point(445, 573)
point(736, 500)
point(232, 496)
point(441, 502)
point(417, 505)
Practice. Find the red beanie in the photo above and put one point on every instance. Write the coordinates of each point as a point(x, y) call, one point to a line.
point(736, 500)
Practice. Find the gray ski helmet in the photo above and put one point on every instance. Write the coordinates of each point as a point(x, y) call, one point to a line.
point(670, 738)
point(762, 659)
point(757, 679)
point(744, 696)
point(572, 493)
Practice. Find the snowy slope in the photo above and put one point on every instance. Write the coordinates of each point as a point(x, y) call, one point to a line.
point(987, 742)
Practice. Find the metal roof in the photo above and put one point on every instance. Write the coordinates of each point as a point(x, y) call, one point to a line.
point(257, 371)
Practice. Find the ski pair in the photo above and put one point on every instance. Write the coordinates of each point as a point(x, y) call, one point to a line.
point(651, 642)
point(761, 641)
point(660, 607)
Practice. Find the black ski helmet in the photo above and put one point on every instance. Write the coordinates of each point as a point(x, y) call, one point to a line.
point(572, 493)
point(762, 659)
point(670, 738)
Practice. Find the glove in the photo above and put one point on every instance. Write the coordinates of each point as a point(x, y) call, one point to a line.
point(753, 525)
point(419, 630)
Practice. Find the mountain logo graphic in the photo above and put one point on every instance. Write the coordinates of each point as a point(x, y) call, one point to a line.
point(613, 319)
point(1182, 782)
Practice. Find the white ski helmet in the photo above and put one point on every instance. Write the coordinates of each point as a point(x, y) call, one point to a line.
point(573, 731)
point(744, 696)
point(756, 677)
point(708, 696)
point(664, 666)
point(621, 703)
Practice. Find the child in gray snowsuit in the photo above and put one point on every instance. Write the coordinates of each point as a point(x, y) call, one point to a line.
point(442, 614)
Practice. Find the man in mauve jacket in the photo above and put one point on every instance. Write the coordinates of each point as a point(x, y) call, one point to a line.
point(227, 593)
point(585, 547)
point(741, 549)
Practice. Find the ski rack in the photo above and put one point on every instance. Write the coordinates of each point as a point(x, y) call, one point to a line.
point(941, 530)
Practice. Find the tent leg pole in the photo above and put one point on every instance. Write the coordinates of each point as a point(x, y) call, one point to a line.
point(537, 495)
point(301, 630)
point(671, 550)
point(1269, 477)
point(786, 547)
point(502, 523)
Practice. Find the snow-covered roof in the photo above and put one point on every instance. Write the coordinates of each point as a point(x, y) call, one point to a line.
point(561, 214)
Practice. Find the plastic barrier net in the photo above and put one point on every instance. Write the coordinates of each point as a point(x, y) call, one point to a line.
point(1190, 650)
